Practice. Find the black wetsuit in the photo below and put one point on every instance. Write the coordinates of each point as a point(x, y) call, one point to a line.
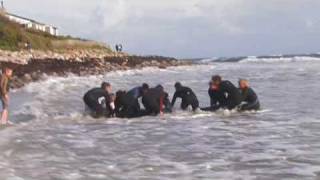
point(250, 98)
point(188, 98)
point(217, 100)
point(127, 106)
point(136, 92)
point(231, 93)
point(227, 96)
point(98, 101)
point(153, 99)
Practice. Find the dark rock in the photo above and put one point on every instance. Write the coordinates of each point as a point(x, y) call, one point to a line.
point(37, 68)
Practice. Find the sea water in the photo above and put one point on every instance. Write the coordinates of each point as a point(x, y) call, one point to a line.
point(52, 139)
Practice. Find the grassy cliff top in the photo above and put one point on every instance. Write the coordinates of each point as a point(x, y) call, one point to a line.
point(13, 37)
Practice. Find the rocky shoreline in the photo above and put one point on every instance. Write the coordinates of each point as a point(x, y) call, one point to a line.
point(35, 69)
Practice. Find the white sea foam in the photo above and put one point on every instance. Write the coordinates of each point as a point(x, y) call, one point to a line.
point(280, 59)
point(59, 142)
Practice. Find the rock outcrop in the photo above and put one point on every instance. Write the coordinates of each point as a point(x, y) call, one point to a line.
point(34, 65)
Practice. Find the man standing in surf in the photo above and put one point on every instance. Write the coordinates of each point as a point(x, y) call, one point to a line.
point(4, 94)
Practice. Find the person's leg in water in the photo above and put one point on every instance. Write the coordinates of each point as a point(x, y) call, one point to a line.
point(231, 104)
point(96, 109)
point(5, 111)
point(190, 101)
point(184, 104)
point(211, 108)
point(153, 108)
point(195, 105)
point(250, 107)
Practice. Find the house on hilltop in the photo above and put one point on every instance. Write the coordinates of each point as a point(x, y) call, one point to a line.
point(29, 23)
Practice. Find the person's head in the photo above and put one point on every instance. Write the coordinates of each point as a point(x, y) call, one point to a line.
point(144, 88)
point(216, 80)
point(160, 87)
point(243, 83)
point(8, 71)
point(212, 86)
point(178, 85)
point(107, 87)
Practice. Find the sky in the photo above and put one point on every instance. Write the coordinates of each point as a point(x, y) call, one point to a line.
point(185, 28)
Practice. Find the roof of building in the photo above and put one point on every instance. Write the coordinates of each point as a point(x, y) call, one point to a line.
point(31, 20)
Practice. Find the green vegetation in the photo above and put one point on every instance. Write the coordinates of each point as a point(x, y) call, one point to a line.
point(14, 37)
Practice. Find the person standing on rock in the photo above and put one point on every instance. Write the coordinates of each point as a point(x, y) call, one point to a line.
point(117, 48)
point(4, 93)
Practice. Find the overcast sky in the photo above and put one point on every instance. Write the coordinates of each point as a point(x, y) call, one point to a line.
point(185, 28)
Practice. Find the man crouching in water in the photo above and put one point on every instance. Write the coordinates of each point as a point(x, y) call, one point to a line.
point(187, 95)
point(100, 101)
point(156, 101)
point(225, 92)
point(250, 99)
point(5, 87)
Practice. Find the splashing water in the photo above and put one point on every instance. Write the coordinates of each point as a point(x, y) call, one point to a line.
point(53, 140)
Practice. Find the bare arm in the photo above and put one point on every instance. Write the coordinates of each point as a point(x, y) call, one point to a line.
point(4, 86)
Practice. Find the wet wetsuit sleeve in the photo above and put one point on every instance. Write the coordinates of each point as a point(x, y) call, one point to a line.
point(244, 95)
point(137, 93)
point(174, 99)
point(251, 100)
point(213, 100)
point(161, 103)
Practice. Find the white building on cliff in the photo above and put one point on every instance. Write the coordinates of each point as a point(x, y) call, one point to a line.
point(29, 23)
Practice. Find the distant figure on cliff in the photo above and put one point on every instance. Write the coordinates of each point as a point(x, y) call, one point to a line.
point(119, 48)
point(4, 94)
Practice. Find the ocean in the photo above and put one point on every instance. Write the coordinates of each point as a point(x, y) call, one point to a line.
point(52, 139)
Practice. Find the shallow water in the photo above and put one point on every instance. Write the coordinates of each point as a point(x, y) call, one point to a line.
point(53, 140)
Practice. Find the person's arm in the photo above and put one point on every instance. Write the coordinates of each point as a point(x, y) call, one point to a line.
point(4, 86)
point(213, 99)
point(244, 95)
point(174, 99)
point(136, 93)
point(161, 104)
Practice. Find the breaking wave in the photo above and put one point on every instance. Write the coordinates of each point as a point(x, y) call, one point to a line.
point(264, 59)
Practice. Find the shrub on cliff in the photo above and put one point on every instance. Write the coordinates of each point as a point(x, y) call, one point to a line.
point(14, 37)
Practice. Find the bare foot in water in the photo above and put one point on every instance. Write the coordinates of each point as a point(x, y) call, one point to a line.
point(7, 123)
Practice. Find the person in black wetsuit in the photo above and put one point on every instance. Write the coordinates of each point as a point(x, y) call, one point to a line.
point(156, 101)
point(250, 99)
point(217, 99)
point(100, 101)
point(137, 92)
point(187, 95)
point(127, 103)
point(126, 106)
point(231, 94)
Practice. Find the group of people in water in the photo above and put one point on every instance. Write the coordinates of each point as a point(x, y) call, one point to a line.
point(101, 102)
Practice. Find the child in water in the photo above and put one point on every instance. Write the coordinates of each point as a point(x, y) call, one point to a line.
point(4, 94)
